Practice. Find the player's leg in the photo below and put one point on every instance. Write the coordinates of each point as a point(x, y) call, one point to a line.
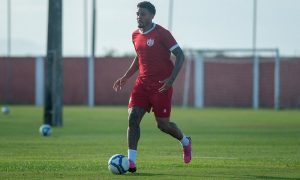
point(135, 115)
point(138, 105)
point(168, 127)
point(171, 128)
point(162, 103)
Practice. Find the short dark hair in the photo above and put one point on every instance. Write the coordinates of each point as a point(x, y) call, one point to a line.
point(147, 5)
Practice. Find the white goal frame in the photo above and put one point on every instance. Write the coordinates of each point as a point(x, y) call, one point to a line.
point(199, 56)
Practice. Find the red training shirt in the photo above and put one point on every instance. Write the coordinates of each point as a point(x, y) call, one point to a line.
point(153, 49)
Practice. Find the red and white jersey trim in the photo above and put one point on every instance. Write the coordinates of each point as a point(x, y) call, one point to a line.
point(174, 47)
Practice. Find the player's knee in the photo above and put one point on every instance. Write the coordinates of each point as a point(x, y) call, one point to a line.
point(162, 126)
point(172, 124)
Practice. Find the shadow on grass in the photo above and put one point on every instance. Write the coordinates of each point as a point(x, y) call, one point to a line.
point(161, 174)
point(148, 174)
point(271, 177)
point(205, 176)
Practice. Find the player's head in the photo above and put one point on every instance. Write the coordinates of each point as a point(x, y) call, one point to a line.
point(145, 13)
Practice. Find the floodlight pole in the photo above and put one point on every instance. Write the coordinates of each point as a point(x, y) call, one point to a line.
point(54, 66)
point(85, 24)
point(8, 62)
point(255, 90)
point(91, 61)
point(170, 21)
point(277, 81)
point(8, 28)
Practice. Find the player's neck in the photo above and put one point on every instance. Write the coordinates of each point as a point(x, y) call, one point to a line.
point(147, 28)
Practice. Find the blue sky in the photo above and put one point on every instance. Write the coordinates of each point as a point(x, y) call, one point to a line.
point(197, 24)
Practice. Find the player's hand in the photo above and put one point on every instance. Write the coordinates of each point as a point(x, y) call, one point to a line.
point(167, 84)
point(119, 83)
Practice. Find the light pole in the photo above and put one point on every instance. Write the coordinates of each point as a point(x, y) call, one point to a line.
point(85, 28)
point(5, 108)
point(170, 21)
point(91, 60)
point(255, 93)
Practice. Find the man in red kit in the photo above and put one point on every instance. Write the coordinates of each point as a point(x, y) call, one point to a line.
point(153, 87)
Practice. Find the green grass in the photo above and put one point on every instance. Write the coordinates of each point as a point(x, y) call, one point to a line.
point(227, 144)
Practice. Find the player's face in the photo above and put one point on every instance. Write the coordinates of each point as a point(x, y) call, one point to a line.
point(143, 17)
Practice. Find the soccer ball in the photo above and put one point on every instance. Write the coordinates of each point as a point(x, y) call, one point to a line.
point(5, 110)
point(118, 164)
point(45, 130)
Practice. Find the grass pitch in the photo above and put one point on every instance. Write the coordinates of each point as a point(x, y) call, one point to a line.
point(227, 144)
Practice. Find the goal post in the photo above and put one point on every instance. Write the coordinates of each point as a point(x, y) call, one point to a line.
point(200, 60)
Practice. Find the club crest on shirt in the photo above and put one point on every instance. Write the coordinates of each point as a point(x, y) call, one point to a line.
point(150, 42)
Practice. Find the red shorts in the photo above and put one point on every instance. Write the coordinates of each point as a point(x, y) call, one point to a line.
point(147, 96)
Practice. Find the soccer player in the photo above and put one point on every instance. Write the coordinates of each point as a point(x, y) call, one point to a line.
point(153, 87)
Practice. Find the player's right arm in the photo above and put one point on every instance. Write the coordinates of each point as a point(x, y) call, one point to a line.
point(131, 70)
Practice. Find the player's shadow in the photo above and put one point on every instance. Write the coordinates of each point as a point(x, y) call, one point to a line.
point(182, 175)
point(148, 174)
point(160, 174)
point(272, 177)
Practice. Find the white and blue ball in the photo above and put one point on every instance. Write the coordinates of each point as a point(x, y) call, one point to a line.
point(118, 164)
point(45, 130)
point(5, 110)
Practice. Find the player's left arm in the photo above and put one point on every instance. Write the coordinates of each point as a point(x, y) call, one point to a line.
point(167, 83)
